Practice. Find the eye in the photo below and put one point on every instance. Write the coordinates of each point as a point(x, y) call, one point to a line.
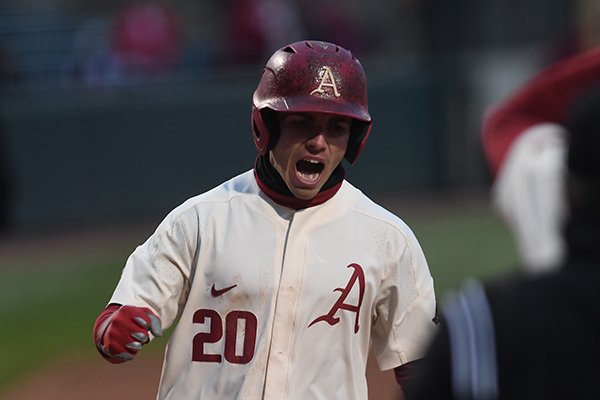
point(339, 127)
point(298, 121)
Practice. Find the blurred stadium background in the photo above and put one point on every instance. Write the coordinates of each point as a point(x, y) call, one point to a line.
point(113, 112)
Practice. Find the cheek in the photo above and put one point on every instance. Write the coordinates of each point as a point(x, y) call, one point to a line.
point(279, 160)
point(340, 145)
point(285, 148)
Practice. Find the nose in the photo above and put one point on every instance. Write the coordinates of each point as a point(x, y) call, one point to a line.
point(317, 142)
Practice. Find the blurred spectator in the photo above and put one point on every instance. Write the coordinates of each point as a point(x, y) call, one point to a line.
point(92, 61)
point(524, 142)
point(531, 337)
point(141, 40)
point(252, 28)
point(147, 38)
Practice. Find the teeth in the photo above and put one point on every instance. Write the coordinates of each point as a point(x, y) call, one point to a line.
point(310, 177)
point(311, 161)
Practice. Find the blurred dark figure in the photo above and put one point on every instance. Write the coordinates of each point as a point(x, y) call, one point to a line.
point(6, 186)
point(6, 179)
point(531, 337)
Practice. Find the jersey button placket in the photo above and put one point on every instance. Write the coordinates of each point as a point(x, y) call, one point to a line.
point(285, 312)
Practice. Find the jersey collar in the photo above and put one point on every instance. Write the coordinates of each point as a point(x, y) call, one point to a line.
point(273, 185)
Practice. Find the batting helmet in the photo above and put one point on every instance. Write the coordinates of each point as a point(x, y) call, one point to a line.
point(311, 76)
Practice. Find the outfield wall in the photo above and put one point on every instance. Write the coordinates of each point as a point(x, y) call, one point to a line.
point(89, 156)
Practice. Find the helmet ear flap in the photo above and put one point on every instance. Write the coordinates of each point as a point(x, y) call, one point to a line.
point(359, 133)
point(265, 129)
point(260, 133)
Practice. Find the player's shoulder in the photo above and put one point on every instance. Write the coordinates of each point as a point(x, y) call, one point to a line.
point(239, 185)
point(218, 196)
point(370, 208)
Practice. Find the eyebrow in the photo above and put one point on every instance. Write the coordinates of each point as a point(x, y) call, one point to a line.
point(341, 119)
point(334, 118)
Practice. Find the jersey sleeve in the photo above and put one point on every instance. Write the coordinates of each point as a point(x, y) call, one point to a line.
point(433, 380)
point(156, 275)
point(543, 99)
point(405, 310)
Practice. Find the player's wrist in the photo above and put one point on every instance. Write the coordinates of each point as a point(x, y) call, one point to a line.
point(121, 331)
point(100, 326)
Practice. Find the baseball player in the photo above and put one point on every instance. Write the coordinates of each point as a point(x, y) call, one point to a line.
point(524, 142)
point(281, 279)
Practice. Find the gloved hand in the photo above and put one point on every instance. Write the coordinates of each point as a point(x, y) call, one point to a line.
point(121, 331)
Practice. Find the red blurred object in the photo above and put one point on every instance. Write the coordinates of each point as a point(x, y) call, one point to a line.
point(147, 38)
point(245, 32)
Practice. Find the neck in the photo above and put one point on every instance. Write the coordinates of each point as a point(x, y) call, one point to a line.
point(273, 185)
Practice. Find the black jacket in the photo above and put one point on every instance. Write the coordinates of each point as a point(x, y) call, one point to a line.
point(518, 338)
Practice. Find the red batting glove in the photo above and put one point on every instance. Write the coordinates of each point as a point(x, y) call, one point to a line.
point(121, 331)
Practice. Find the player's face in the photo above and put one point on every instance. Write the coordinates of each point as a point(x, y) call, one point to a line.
point(310, 147)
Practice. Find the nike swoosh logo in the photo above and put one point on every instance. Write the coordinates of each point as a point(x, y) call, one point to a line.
point(218, 292)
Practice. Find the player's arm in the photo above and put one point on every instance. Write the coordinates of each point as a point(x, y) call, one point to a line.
point(156, 275)
point(431, 378)
point(120, 331)
point(406, 373)
point(406, 319)
point(543, 99)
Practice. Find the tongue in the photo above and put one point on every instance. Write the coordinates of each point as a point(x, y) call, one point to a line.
point(308, 178)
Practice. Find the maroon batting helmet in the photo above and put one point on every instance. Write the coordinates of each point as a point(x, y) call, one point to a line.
point(311, 76)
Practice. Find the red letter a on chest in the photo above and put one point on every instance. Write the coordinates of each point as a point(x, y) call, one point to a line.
point(330, 317)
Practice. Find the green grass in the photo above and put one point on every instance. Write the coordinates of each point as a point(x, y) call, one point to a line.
point(469, 244)
point(48, 307)
point(49, 311)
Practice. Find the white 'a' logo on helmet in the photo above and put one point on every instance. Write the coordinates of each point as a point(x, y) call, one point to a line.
point(326, 77)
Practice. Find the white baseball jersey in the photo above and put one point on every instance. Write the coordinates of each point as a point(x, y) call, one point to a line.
point(274, 303)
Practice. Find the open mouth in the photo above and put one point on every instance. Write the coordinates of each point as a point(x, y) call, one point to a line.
point(309, 171)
